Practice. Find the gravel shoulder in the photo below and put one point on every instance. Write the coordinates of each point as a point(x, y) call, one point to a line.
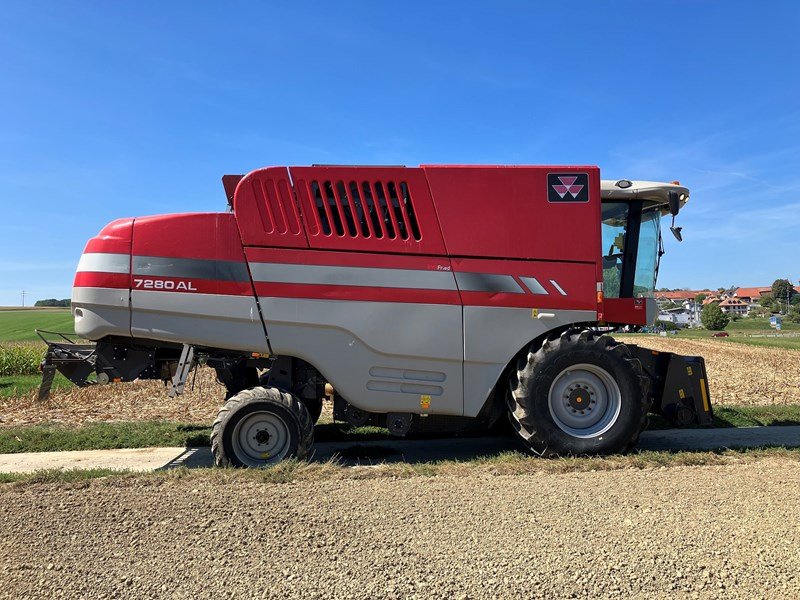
point(729, 531)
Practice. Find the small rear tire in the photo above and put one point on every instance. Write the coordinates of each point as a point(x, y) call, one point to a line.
point(259, 427)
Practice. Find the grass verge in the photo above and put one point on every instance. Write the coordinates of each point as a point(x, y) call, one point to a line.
point(20, 385)
point(505, 464)
point(148, 434)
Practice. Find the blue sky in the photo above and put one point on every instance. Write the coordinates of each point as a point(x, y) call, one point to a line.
point(125, 109)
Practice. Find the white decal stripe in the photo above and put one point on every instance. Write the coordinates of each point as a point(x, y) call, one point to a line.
point(534, 286)
point(355, 276)
point(103, 262)
point(558, 287)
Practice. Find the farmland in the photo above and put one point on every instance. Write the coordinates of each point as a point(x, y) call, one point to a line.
point(752, 332)
point(19, 325)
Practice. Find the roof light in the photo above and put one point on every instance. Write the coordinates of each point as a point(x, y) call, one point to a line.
point(676, 182)
point(623, 183)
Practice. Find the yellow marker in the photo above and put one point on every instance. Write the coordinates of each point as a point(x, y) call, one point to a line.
point(534, 313)
point(704, 394)
point(689, 371)
point(681, 393)
point(425, 402)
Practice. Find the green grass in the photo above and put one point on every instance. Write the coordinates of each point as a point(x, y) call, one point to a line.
point(503, 464)
point(144, 434)
point(21, 385)
point(19, 325)
point(102, 436)
point(743, 416)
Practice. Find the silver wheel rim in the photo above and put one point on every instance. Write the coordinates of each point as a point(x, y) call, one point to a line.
point(261, 438)
point(584, 401)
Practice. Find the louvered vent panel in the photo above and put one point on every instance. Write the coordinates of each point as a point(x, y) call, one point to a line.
point(266, 211)
point(368, 208)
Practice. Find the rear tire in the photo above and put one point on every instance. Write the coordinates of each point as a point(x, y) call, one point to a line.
point(579, 393)
point(260, 427)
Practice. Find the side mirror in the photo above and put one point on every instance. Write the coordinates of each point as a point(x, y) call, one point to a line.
point(676, 231)
point(674, 203)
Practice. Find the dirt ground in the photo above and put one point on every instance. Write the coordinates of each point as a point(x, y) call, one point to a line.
point(725, 531)
point(737, 373)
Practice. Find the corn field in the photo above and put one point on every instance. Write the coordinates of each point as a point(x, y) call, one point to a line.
point(20, 358)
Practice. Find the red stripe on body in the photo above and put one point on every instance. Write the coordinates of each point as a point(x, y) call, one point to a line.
point(363, 294)
point(102, 280)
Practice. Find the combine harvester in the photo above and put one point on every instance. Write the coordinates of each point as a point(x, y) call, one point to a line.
point(435, 298)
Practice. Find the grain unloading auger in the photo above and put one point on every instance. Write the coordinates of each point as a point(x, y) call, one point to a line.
point(429, 298)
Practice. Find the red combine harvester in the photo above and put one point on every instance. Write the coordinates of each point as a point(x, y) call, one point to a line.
point(433, 298)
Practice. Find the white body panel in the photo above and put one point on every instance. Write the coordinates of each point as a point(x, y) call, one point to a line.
point(494, 335)
point(213, 320)
point(380, 356)
point(99, 312)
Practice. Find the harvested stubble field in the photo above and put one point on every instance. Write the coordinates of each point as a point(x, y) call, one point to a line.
point(738, 374)
point(136, 401)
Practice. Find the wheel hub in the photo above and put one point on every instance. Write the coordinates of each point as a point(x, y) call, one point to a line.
point(584, 400)
point(260, 438)
point(580, 399)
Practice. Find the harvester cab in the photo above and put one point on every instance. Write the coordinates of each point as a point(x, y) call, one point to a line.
point(430, 298)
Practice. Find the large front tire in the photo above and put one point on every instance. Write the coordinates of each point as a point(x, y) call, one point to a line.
point(579, 393)
point(259, 427)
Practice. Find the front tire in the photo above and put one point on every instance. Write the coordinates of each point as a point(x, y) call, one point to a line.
point(259, 427)
point(580, 393)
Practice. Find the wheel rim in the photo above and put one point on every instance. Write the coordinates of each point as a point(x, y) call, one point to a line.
point(584, 400)
point(261, 438)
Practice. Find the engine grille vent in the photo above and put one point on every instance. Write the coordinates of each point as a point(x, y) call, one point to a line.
point(378, 209)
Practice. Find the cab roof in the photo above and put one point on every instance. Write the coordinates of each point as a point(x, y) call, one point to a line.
point(628, 189)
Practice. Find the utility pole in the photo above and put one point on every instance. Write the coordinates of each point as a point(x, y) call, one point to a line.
point(23, 298)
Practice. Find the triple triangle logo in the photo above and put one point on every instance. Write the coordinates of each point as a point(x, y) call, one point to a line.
point(567, 187)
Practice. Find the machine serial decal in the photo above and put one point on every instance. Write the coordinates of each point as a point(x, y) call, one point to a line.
point(162, 284)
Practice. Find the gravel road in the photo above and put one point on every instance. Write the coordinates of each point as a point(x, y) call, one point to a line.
point(729, 531)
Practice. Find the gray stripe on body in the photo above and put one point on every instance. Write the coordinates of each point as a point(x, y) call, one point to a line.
point(355, 276)
point(104, 262)
point(488, 282)
point(158, 266)
point(534, 286)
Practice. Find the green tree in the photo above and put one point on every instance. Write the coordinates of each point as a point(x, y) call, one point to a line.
point(53, 302)
point(782, 288)
point(767, 301)
point(713, 318)
point(700, 297)
point(782, 291)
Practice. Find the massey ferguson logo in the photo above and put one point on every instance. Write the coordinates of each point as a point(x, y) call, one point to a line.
point(567, 187)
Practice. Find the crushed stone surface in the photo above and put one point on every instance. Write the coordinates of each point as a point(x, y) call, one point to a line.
point(700, 532)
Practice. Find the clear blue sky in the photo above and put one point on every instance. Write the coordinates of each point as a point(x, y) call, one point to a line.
point(113, 109)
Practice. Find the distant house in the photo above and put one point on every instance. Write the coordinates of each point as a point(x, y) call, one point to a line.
point(734, 306)
point(754, 294)
point(678, 316)
point(678, 296)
